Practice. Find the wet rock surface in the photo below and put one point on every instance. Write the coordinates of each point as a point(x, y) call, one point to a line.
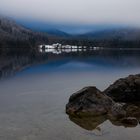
point(125, 89)
point(129, 122)
point(90, 107)
point(89, 101)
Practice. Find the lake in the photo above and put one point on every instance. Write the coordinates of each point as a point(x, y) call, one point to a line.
point(35, 87)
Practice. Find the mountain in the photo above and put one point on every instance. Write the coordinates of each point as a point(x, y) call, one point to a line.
point(121, 37)
point(55, 36)
point(57, 33)
point(121, 34)
point(13, 34)
point(127, 34)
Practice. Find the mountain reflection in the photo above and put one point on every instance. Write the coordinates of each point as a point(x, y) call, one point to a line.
point(16, 59)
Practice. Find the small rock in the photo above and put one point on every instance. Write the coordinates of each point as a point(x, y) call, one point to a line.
point(117, 111)
point(132, 111)
point(130, 121)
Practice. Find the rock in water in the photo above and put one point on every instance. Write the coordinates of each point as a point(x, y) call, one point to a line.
point(88, 104)
point(129, 122)
point(125, 89)
point(89, 101)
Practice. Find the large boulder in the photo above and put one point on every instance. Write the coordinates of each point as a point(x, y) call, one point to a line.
point(125, 89)
point(89, 101)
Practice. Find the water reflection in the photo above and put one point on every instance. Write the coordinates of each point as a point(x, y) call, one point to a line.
point(88, 123)
point(131, 119)
point(15, 59)
point(94, 122)
point(67, 49)
point(32, 107)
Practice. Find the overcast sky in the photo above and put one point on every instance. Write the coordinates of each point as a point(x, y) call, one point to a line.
point(75, 11)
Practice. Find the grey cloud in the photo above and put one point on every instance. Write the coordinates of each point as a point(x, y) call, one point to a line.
point(75, 11)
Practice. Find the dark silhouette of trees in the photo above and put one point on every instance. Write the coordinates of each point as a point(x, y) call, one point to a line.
point(12, 34)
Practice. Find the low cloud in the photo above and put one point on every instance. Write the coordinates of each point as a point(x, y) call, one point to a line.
point(75, 11)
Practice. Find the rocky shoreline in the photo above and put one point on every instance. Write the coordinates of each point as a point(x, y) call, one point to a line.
point(118, 102)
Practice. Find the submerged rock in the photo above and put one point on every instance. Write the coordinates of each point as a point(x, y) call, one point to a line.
point(129, 122)
point(125, 89)
point(89, 101)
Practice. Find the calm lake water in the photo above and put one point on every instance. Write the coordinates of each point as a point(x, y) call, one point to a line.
point(36, 86)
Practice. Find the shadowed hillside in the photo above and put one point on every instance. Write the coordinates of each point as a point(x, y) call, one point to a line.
point(121, 37)
point(120, 33)
point(12, 34)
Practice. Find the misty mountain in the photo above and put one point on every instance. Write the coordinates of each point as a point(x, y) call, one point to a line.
point(128, 34)
point(57, 33)
point(121, 37)
point(13, 34)
point(124, 34)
